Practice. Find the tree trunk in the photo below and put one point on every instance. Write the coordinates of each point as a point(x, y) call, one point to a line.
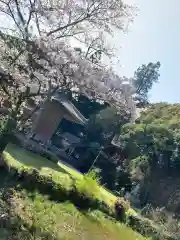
point(4, 139)
point(7, 133)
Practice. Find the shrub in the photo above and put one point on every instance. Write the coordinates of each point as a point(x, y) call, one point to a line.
point(147, 228)
point(89, 185)
point(163, 218)
point(121, 207)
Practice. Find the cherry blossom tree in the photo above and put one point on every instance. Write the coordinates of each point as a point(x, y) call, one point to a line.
point(37, 57)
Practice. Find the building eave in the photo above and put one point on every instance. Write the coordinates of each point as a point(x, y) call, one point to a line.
point(72, 110)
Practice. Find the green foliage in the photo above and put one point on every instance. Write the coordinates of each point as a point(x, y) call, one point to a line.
point(148, 228)
point(102, 126)
point(151, 147)
point(144, 78)
point(161, 113)
point(100, 130)
point(89, 185)
point(154, 139)
point(141, 162)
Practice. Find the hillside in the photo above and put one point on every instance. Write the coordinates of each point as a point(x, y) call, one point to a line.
point(152, 150)
point(33, 216)
point(36, 202)
point(161, 113)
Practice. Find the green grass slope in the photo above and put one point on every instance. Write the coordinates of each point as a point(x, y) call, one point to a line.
point(27, 213)
point(34, 216)
point(21, 159)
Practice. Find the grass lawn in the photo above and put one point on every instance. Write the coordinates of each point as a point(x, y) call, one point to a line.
point(20, 158)
point(34, 216)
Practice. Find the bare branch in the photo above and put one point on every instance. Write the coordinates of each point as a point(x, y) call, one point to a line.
point(68, 25)
point(14, 19)
point(90, 46)
point(31, 11)
point(19, 12)
point(37, 23)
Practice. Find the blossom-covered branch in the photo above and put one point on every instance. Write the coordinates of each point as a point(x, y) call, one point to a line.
point(35, 60)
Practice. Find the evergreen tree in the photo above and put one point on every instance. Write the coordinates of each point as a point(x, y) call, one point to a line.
point(144, 78)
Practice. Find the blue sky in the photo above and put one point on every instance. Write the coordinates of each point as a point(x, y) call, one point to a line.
point(154, 36)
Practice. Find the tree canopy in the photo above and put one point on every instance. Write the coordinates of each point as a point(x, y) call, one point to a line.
point(38, 50)
point(37, 57)
point(144, 78)
point(153, 141)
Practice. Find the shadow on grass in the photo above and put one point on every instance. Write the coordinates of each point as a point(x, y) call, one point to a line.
point(31, 160)
point(3, 176)
point(34, 183)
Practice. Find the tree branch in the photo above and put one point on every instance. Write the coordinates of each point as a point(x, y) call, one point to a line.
point(31, 11)
point(68, 25)
point(14, 19)
point(19, 12)
point(37, 23)
point(5, 90)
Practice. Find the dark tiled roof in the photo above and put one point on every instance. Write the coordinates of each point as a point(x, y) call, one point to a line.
point(70, 108)
point(115, 141)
